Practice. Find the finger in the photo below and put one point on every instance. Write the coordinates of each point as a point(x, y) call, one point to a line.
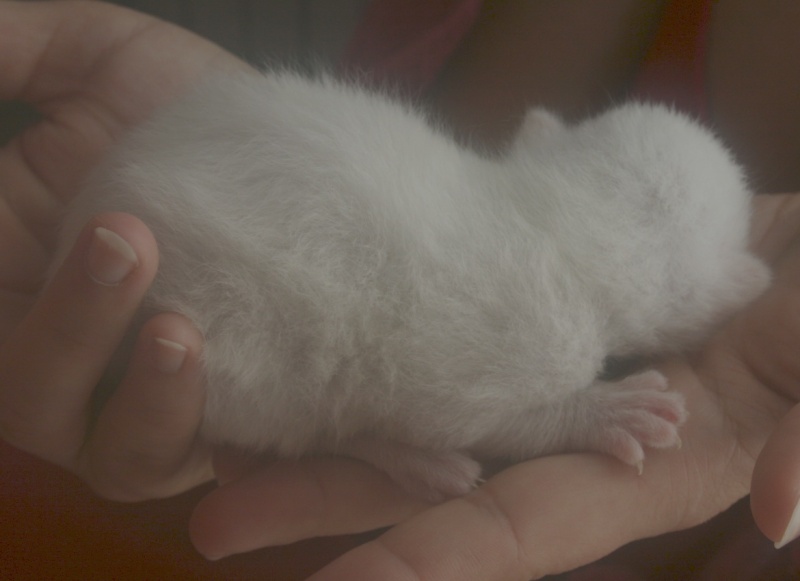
point(775, 490)
point(286, 501)
point(52, 361)
point(145, 443)
point(765, 334)
point(50, 50)
point(541, 517)
point(48, 53)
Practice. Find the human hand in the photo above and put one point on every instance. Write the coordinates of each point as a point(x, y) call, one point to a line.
point(553, 514)
point(91, 70)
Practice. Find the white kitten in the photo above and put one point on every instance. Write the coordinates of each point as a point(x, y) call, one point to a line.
point(367, 287)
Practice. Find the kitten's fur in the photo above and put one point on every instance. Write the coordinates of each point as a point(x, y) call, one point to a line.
point(366, 286)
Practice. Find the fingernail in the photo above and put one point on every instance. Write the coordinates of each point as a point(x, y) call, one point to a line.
point(169, 356)
point(792, 529)
point(110, 259)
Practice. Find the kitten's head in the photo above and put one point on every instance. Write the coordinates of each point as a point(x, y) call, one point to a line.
point(663, 191)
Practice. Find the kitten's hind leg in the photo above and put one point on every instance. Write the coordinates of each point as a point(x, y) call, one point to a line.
point(433, 475)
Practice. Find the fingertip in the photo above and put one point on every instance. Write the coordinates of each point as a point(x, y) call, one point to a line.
point(145, 443)
point(207, 537)
point(273, 505)
point(165, 375)
point(775, 487)
point(173, 329)
point(113, 255)
point(125, 235)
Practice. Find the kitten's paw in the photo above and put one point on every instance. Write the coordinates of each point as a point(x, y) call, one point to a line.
point(427, 474)
point(634, 413)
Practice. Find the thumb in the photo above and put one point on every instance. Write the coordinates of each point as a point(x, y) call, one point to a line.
point(768, 339)
point(775, 489)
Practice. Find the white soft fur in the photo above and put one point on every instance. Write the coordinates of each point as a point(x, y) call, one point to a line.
point(366, 286)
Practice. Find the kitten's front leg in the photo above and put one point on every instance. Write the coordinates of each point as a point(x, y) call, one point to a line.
point(623, 417)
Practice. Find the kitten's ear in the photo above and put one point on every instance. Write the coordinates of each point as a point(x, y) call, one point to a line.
point(539, 124)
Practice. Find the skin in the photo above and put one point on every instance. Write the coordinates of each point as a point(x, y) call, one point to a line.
point(92, 70)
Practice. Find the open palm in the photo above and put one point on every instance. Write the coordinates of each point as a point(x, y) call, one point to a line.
point(553, 514)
